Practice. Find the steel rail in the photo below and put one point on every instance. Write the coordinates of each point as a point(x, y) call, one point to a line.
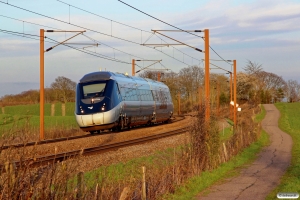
point(19, 145)
point(59, 157)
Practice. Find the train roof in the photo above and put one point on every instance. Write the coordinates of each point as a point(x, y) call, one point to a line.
point(106, 75)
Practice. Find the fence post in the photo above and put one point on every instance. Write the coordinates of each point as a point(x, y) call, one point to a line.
point(144, 183)
point(52, 109)
point(80, 185)
point(3, 110)
point(10, 169)
point(124, 194)
point(63, 109)
point(225, 151)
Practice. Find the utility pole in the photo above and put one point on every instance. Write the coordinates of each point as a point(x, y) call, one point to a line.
point(42, 95)
point(158, 76)
point(42, 74)
point(218, 98)
point(230, 84)
point(207, 92)
point(133, 67)
point(234, 93)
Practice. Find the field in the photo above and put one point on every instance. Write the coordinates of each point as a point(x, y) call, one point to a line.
point(17, 119)
point(289, 122)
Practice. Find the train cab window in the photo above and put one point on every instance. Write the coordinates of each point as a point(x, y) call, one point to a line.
point(93, 90)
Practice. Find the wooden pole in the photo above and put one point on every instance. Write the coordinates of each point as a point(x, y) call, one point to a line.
point(207, 93)
point(218, 98)
point(133, 67)
point(144, 196)
point(42, 95)
point(230, 108)
point(234, 93)
point(158, 76)
point(80, 188)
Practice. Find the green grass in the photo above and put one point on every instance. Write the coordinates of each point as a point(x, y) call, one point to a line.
point(289, 122)
point(226, 134)
point(21, 116)
point(34, 109)
point(259, 117)
point(131, 169)
point(199, 183)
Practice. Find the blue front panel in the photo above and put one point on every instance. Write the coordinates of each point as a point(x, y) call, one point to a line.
point(97, 96)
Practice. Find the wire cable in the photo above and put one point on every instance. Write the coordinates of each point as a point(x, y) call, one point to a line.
point(172, 26)
point(56, 42)
point(86, 29)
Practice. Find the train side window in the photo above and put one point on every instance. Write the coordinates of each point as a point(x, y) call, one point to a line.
point(118, 91)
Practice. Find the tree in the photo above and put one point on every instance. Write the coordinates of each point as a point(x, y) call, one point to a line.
point(291, 92)
point(64, 88)
point(252, 68)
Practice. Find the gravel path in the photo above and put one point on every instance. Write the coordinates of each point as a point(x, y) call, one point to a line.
point(261, 177)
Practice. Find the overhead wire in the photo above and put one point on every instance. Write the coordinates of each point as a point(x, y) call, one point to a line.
point(52, 18)
point(56, 42)
point(120, 24)
point(82, 34)
point(94, 31)
point(173, 27)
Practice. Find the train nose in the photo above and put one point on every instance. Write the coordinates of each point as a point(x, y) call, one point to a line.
point(93, 119)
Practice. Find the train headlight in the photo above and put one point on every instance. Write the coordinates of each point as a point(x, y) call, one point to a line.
point(82, 111)
point(103, 107)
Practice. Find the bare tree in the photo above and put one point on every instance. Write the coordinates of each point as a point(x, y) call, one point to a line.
point(64, 88)
point(252, 68)
point(291, 92)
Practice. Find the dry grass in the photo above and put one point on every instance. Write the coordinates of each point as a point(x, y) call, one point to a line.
point(203, 152)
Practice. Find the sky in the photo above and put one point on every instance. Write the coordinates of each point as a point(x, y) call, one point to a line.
point(266, 32)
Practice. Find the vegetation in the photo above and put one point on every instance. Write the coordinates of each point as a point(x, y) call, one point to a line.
point(16, 118)
point(200, 183)
point(165, 172)
point(61, 90)
point(289, 123)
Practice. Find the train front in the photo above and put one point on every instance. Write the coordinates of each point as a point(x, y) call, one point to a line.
point(97, 102)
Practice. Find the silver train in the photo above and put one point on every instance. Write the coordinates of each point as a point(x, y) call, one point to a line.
point(107, 100)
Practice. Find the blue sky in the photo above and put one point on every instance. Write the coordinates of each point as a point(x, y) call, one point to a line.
point(266, 32)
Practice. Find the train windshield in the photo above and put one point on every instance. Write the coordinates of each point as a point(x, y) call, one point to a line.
point(93, 90)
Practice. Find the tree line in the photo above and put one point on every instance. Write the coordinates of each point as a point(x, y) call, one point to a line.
point(61, 90)
point(253, 85)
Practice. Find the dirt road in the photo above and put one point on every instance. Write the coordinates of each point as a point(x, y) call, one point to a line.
point(258, 179)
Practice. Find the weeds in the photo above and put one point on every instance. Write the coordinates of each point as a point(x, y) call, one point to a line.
point(164, 173)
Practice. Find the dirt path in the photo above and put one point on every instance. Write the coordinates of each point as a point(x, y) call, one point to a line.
point(261, 177)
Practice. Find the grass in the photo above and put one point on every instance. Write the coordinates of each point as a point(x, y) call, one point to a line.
point(21, 116)
point(131, 169)
point(34, 109)
point(199, 183)
point(289, 122)
point(226, 134)
point(259, 117)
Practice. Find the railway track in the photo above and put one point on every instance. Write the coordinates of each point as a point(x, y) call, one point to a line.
point(181, 117)
point(53, 158)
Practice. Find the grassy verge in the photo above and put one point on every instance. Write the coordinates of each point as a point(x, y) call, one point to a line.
point(226, 134)
point(132, 168)
point(198, 184)
point(260, 116)
point(289, 122)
